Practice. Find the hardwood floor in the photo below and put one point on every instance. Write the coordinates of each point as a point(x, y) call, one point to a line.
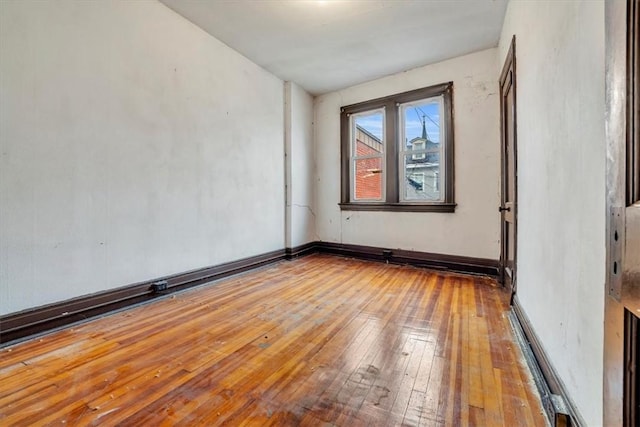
point(320, 340)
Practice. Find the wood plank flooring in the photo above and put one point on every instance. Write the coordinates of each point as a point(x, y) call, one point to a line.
point(321, 340)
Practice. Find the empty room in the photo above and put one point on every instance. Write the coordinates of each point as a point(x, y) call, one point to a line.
point(319, 212)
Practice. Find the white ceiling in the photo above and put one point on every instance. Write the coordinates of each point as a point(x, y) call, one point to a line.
point(332, 44)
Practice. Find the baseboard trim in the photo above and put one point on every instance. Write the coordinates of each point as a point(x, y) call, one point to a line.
point(459, 264)
point(302, 250)
point(23, 324)
point(549, 384)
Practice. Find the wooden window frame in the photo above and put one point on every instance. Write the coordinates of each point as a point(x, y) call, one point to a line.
point(392, 201)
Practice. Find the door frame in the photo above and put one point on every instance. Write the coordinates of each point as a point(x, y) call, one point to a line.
point(622, 268)
point(508, 70)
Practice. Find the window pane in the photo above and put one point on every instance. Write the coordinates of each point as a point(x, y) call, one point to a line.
point(421, 123)
point(367, 151)
point(368, 179)
point(367, 133)
point(421, 130)
point(422, 177)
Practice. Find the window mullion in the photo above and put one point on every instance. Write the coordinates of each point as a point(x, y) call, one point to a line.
point(392, 180)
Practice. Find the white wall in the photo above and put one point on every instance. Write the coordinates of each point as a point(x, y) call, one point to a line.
point(473, 230)
point(133, 145)
point(561, 191)
point(300, 166)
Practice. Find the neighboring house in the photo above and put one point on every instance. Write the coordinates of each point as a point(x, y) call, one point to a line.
point(422, 178)
point(423, 169)
point(368, 171)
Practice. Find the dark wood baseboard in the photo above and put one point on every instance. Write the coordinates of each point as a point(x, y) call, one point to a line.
point(455, 263)
point(302, 250)
point(23, 324)
point(549, 384)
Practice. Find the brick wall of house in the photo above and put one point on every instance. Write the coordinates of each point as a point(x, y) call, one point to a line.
point(368, 174)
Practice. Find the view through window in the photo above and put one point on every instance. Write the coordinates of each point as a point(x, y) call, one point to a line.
point(421, 151)
point(397, 152)
point(368, 154)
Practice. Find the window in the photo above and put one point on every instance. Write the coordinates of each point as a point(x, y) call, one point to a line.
point(416, 180)
point(417, 146)
point(367, 154)
point(397, 152)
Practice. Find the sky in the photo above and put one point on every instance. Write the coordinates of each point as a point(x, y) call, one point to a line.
point(413, 121)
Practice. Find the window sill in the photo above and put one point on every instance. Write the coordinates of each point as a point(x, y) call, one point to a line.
point(399, 207)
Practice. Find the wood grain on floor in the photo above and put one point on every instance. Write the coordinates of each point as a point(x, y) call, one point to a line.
point(320, 340)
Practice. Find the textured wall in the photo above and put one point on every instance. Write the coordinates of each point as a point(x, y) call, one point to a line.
point(300, 166)
point(134, 145)
point(561, 185)
point(473, 230)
